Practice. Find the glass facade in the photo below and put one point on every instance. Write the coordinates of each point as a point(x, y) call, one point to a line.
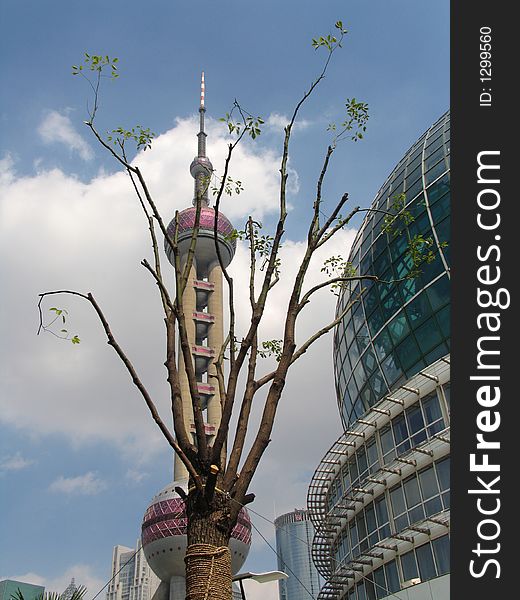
point(294, 534)
point(380, 499)
point(393, 330)
point(9, 588)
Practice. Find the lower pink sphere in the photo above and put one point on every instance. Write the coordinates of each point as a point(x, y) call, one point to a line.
point(163, 535)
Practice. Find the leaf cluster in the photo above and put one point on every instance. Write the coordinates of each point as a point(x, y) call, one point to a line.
point(230, 186)
point(140, 135)
point(61, 314)
point(245, 123)
point(97, 62)
point(356, 120)
point(337, 266)
point(271, 348)
point(331, 42)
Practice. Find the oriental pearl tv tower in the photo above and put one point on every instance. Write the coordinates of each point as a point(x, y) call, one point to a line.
point(164, 524)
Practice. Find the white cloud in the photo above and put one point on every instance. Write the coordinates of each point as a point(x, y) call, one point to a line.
point(57, 232)
point(277, 122)
point(16, 462)
point(136, 476)
point(56, 127)
point(82, 574)
point(84, 485)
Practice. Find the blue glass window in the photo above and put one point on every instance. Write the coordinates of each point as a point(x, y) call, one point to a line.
point(391, 369)
point(409, 566)
point(439, 292)
point(428, 335)
point(416, 424)
point(439, 188)
point(432, 413)
point(383, 344)
point(418, 310)
point(375, 321)
point(435, 172)
point(380, 583)
point(425, 561)
point(443, 318)
point(392, 577)
point(378, 384)
point(441, 551)
point(398, 327)
point(387, 444)
point(408, 352)
point(413, 190)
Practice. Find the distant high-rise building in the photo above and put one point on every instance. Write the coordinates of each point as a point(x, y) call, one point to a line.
point(69, 590)
point(294, 534)
point(9, 587)
point(132, 578)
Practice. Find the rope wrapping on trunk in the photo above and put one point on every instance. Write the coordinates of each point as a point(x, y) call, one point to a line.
point(208, 569)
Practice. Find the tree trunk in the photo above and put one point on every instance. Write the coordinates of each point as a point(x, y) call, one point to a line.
point(208, 559)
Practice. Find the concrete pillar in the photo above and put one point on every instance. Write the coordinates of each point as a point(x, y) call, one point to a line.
point(177, 588)
point(189, 306)
point(215, 340)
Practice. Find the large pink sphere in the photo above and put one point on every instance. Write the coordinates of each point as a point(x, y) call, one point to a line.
point(205, 252)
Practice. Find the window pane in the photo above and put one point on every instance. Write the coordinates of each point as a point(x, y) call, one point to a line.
point(353, 469)
point(381, 512)
point(372, 453)
point(401, 522)
point(411, 490)
point(362, 530)
point(380, 583)
point(425, 560)
point(353, 535)
point(371, 519)
point(387, 441)
point(433, 506)
point(443, 473)
point(392, 577)
point(415, 419)
point(369, 587)
point(409, 566)
point(360, 587)
point(408, 351)
point(391, 369)
point(417, 513)
point(428, 483)
point(398, 327)
point(400, 430)
point(362, 461)
point(428, 335)
point(432, 409)
point(396, 497)
point(441, 550)
point(418, 310)
point(383, 344)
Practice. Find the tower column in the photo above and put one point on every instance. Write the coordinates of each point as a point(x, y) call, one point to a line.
point(189, 305)
point(215, 341)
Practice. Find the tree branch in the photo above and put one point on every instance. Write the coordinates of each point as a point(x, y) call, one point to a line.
point(135, 380)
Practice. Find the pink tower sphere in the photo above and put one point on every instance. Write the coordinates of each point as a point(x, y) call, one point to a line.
point(163, 535)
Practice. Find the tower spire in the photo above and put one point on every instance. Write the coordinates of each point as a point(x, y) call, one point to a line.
point(202, 134)
point(201, 167)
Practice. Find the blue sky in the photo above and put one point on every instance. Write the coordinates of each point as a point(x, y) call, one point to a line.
point(77, 465)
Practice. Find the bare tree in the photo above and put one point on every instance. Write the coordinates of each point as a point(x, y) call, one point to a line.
point(219, 480)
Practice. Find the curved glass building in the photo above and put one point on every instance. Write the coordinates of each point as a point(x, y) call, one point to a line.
point(379, 499)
